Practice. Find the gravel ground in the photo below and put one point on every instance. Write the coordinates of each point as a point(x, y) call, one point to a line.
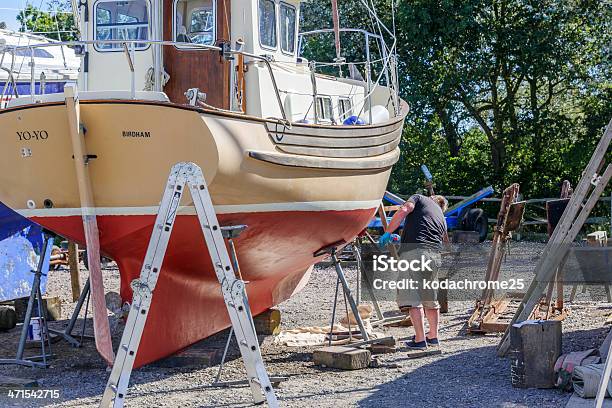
point(467, 374)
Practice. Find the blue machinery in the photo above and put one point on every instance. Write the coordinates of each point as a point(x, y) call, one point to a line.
point(458, 216)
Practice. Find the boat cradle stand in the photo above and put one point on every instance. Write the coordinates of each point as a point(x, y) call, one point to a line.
point(67, 334)
point(35, 298)
point(332, 250)
point(233, 289)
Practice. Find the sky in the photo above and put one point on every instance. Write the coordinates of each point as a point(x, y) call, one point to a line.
point(10, 8)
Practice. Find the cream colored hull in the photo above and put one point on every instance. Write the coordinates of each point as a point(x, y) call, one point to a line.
point(131, 168)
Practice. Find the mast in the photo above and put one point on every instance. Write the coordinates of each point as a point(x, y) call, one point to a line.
point(336, 20)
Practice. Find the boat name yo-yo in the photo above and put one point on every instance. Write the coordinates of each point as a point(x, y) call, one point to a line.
point(33, 135)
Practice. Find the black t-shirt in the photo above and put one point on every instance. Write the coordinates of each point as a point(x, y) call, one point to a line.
point(425, 225)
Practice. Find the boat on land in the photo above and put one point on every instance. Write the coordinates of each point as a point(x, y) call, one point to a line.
point(54, 67)
point(300, 156)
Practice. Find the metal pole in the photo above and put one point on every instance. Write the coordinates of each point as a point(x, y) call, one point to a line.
point(157, 55)
point(357, 255)
point(32, 79)
point(42, 321)
point(133, 68)
point(85, 316)
point(84, 294)
point(347, 291)
point(313, 81)
point(331, 325)
point(227, 343)
point(33, 292)
point(43, 83)
point(368, 100)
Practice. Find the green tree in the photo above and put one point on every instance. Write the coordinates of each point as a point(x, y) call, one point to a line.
point(57, 23)
point(500, 90)
point(2, 25)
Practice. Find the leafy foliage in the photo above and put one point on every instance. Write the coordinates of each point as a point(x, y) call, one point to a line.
point(57, 23)
point(500, 91)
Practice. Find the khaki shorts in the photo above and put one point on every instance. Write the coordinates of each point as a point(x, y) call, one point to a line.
point(423, 296)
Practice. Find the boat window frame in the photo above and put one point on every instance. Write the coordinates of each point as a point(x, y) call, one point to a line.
point(318, 113)
point(295, 28)
point(119, 47)
point(276, 27)
point(344, 113)
point(187, 47)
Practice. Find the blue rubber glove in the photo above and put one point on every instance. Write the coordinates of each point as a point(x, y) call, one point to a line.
point(387, 238)
point(384, 240)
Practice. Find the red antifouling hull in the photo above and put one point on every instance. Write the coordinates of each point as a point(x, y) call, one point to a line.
point(274, 253)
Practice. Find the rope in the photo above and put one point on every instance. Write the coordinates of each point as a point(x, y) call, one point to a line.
point(150, 79)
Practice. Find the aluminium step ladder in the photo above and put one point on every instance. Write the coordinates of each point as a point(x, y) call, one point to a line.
point(233, 289)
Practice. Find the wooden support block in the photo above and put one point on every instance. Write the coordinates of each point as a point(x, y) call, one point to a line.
point(268, 322)
point(8, 318)
point(73, 263)
point(194, 356)
point(53, 305)
point(465, 237)
point(382, 349)
point(344, 358)
point(535, 346)
point(7, 382)
point(54, 308)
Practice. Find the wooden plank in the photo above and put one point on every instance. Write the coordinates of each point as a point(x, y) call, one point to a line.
point(500, 236)
point(90, 226)
point(73, 264)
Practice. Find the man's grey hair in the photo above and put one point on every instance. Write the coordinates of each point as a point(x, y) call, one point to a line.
point(441, 201)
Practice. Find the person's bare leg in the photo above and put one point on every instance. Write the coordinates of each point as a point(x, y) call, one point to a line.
point(433, 317)
point(416, 316)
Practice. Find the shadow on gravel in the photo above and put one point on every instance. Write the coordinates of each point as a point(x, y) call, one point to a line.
point(472, 378)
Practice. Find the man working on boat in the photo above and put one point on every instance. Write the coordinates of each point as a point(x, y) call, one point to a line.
point(422, 238)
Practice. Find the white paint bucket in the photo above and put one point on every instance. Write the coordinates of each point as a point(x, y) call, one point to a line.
point(35, 329)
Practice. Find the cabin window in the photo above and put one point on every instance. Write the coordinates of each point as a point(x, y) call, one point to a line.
point(344, 108)
point(121, 20)
point(287, 28)
point(267, 23)
point(324, 108)
point(195, 21)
